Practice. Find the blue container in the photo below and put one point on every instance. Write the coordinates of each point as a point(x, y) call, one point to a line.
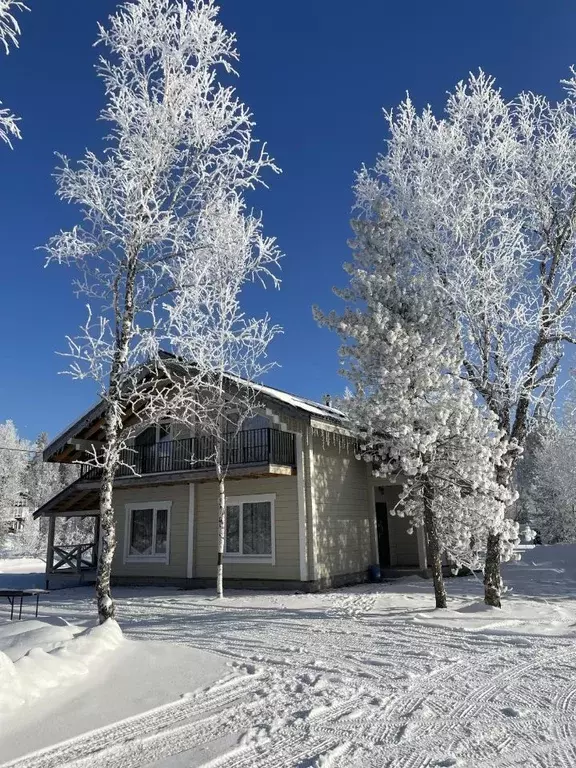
point(374, 572)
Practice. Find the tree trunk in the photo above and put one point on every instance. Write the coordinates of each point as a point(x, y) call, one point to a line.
point(113, 425)
point(221, 531)
point(492, 566)
point(106, 607)
point(434, 547)
point(492, 575)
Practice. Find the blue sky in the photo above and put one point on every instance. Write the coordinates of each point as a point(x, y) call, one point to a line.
point(316, 74)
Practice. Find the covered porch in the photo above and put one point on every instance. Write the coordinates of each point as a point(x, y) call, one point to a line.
point(72, 549)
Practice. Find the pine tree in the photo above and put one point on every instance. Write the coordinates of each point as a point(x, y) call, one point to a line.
point(417, 420)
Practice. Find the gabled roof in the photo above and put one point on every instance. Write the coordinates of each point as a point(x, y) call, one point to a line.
point(301, 403)
point(288, 402)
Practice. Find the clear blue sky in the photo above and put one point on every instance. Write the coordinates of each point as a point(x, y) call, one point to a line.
point(316, 74)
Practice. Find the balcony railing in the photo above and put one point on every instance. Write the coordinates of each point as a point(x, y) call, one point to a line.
point(253, 446)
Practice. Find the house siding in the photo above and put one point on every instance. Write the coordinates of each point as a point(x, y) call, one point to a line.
point(339, 499)
point(343, 509)
point(287, 563)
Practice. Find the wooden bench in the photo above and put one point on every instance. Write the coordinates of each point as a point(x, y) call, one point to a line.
point(13, 594)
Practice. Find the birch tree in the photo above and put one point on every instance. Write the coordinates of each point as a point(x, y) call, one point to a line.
point(417, 420)
point(210, 327)
point(9, 36)
point(179, 140)
point(487, 194)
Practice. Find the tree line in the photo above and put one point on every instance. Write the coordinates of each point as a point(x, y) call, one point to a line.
point(27, 482)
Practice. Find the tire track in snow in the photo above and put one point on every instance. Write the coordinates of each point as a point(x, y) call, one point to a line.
point(349, 689)
point(201, 704)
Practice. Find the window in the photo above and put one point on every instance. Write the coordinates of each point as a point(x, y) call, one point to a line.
point(250, 529)
point(148, 532)
point(258, 421)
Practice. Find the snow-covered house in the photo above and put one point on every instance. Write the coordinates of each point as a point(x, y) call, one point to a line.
point(303, 512)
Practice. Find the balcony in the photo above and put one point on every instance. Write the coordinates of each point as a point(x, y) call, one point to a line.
point(242, 449)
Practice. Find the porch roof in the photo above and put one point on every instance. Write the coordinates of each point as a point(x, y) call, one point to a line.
point(74, 501)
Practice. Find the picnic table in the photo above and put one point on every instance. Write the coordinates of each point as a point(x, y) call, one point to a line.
point(13, 594)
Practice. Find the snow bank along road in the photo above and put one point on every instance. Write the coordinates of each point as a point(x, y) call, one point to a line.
point(361, 678)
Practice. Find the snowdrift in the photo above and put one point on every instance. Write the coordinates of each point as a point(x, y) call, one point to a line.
point(36, 656)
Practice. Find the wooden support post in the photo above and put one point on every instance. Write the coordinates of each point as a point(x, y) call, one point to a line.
point(50, 547)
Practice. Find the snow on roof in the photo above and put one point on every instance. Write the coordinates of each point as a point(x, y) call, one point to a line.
point(318, 409)
point(302, 403)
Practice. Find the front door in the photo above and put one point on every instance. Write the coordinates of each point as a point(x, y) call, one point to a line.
point(383, 534)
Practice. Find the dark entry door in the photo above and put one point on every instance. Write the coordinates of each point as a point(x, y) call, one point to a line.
point(144, 443)
point(383, 534)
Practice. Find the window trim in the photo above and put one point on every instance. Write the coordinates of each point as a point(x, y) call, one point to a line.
point(235, 557)
point(163, 559)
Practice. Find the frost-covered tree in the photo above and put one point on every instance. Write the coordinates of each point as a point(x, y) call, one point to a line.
point(552, 483)
point(27, 482)
point(14, 457)
point(180, 142)
point(487, 194)
point(210, 327)
point(416, 418)
point(9, 35)
point(543, 427)
point(41, 481)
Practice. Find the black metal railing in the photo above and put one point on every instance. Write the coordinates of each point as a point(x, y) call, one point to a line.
point(252, 446)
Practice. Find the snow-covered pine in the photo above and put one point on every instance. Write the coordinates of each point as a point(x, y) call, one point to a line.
point(552, 488)
point(417, 420)
point(487, 194)
point(14, 458)
point(43, 480)
point(180, 145)
point(543, 427)
point(26, 482)
point(9, 35)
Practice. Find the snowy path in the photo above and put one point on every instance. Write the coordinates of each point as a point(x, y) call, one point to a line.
point(359, 678)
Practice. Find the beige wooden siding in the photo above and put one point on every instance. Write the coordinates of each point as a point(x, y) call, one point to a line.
point(343, 509)
point(403, 545)
point(287, 566)
point(178, 495)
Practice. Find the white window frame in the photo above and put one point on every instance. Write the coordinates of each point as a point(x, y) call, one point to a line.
point(238, 501)
point(163, 559)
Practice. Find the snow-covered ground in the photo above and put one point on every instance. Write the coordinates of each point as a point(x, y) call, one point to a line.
point(356, 678)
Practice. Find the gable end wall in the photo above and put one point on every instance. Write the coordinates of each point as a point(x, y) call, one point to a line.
point(344, 510)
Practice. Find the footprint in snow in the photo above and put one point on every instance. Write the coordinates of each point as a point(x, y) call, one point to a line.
point(511, 712)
